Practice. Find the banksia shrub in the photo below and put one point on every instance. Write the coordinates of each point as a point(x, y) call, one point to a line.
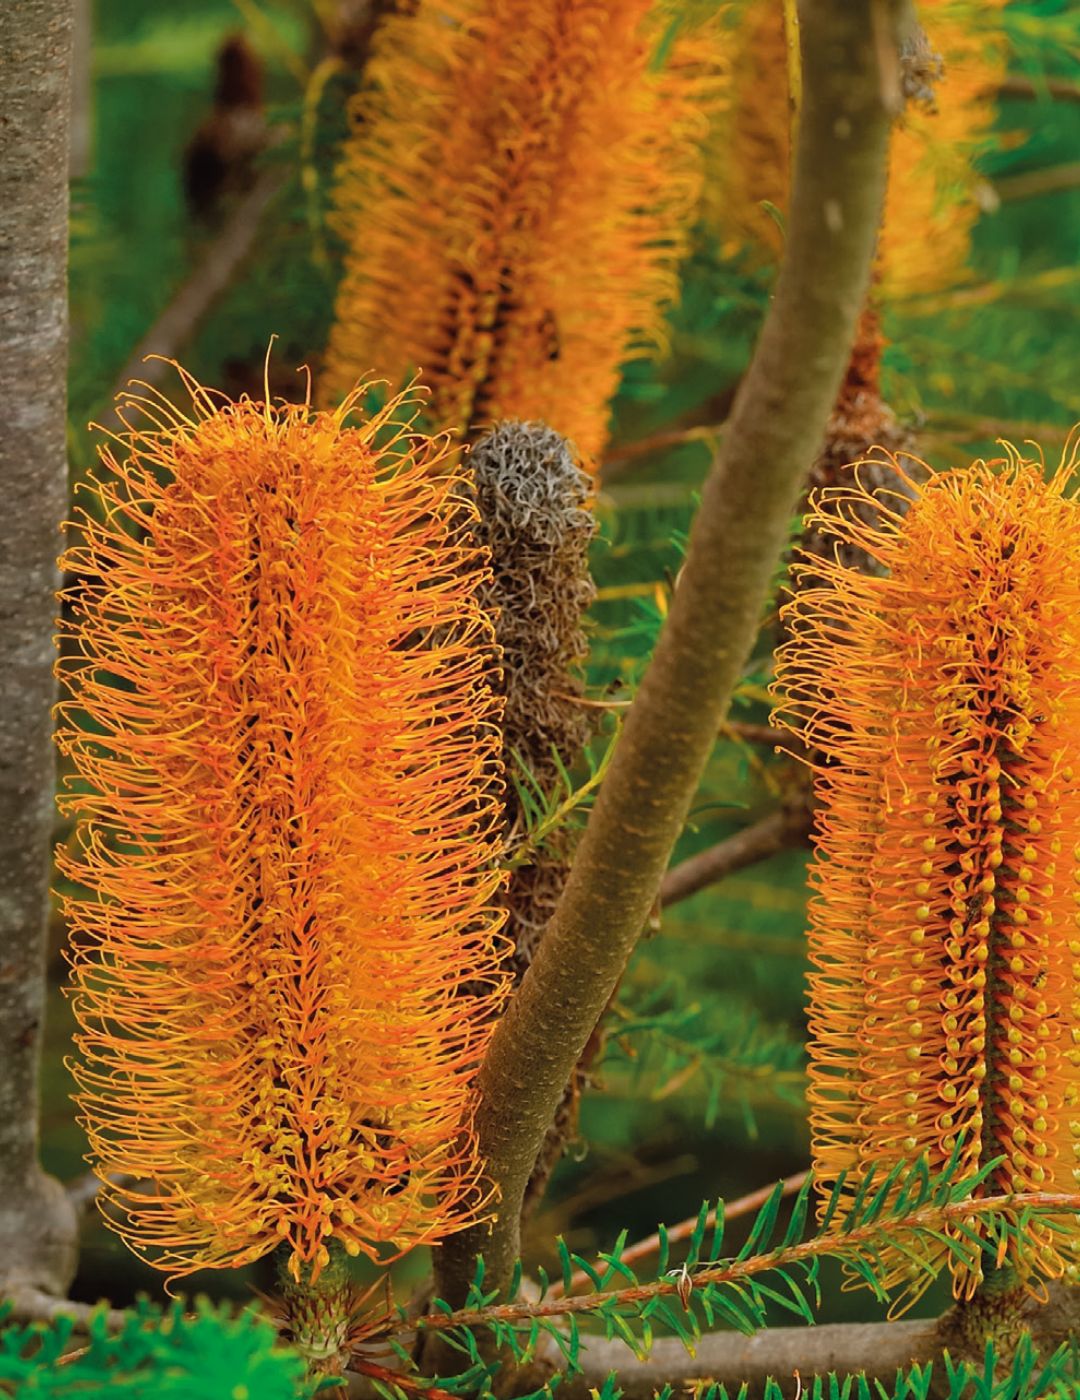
point(284, 744)
point(533, 501)
point(931, 201)
point(944, 698)
point(535, 174)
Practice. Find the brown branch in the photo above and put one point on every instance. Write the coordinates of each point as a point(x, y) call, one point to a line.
point(1030, 184)
point(85, 1189)
point(878, 1349)
point(1057, 89)
point(211, 277)
point(38, 1231)
point(773, 434)
point(708, 434)
point(763, 838)
point(31, 1305)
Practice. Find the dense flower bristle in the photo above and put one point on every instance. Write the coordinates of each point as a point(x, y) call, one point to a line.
point(535, 177)
point(943, 695)
point(285, 748)
point(931, 202)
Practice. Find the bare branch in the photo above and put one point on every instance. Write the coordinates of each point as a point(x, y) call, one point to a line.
point(1056, 89)
point(209, 279)
point(879, 1349)
point(754, 843)
point(31, 1305)
point(84, 1190)
point(1030, 184)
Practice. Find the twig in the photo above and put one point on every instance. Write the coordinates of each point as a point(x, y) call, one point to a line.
point(763, 838)
point(1032, 183)
point(617, 457)
point(1057, 89)
point(209, 279)
point(84, 1190)
point(965, 426)
point(742, 1205)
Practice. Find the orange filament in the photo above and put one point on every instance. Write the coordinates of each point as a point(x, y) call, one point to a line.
point(283, 735)
point(943, 699)
point(535, 176)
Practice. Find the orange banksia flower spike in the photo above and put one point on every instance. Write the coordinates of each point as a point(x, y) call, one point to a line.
point(943, 696)
point(284, 745)
point(535, 171)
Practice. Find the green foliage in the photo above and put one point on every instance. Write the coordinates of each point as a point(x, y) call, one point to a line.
point(211, 1354)
point(664, 1041)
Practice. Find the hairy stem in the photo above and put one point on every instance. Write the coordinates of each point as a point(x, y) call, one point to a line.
point(773, 435)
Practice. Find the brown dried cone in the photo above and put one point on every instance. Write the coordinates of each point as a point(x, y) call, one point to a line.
point(534, 500)
point(861, 423)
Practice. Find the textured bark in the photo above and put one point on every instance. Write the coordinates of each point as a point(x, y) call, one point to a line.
point(879, 1349)
point(37, 1224)
point(850, 50)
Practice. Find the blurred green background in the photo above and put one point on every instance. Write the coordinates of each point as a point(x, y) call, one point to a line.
point(700, 1092)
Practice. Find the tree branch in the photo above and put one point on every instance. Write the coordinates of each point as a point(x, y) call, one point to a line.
point(763, 838)
point(879, 1349)
point(1056, 89)
point(211, 276)
point(38, 1233)
point(773, 434)
point(31, 1305)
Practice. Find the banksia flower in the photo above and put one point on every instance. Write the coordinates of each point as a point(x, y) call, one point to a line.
point(944, 697)
point(931, 202)
point(533, 501)
point(285, 749)
point(535, 175)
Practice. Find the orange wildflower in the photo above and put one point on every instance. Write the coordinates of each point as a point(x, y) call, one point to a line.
point(931, 202)
point(943, 696)
point(284, 739)
point(532, 175)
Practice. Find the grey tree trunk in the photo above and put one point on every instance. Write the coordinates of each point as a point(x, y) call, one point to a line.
point(37, 1224)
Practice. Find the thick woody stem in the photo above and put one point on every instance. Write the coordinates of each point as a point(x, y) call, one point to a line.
point(37, 1224)
point(850, 57)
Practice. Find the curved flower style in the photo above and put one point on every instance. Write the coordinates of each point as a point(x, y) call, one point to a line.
point(944, 700)
point(536, 176)
point(931, 202)
point(283, 731)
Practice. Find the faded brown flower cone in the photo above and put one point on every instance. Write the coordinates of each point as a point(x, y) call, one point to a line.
point(533, 502)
